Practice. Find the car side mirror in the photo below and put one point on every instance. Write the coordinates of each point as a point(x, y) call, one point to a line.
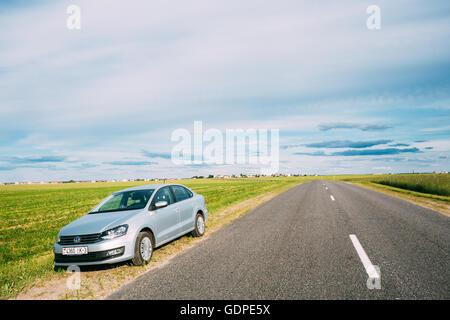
point(161, 204)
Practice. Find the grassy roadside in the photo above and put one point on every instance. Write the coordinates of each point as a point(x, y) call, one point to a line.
point(432, 184)
point(32, 276)
point(438, 203)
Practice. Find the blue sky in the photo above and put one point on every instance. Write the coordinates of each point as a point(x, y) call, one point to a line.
point(102, 102)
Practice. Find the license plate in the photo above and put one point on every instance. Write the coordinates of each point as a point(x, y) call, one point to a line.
point(74, 251)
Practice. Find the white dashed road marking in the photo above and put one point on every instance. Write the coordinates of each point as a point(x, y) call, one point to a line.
point(370, 269)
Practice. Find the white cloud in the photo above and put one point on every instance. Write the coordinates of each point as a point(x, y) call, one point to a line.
point(135, 72)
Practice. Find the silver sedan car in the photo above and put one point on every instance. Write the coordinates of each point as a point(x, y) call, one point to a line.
point(129, 224)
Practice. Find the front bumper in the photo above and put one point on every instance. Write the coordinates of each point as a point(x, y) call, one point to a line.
point(98, 253)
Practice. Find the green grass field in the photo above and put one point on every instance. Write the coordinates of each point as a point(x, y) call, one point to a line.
point(438, 184)
point(433, 184)
point(32, 215)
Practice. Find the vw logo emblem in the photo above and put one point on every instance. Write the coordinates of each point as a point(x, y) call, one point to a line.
point(77, 239)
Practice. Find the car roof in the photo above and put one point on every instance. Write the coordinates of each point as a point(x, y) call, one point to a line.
point(150, 186)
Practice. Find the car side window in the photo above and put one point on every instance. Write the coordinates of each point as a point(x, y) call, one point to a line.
point(181, 193)
point(137, 199)
point(163, 194)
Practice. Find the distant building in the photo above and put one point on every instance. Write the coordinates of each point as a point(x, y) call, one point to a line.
point(223, 176)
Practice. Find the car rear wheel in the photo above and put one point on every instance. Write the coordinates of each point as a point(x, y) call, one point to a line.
point(199, 226)
point(143, 249)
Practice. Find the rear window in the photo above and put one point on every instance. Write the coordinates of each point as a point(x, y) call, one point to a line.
point(181, 193)
point(189, 192)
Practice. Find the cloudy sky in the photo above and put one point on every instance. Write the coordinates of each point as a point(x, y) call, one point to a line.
point(102, 102)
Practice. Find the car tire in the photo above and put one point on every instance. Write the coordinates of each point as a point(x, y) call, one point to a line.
point(143, 249)
point(199, 226)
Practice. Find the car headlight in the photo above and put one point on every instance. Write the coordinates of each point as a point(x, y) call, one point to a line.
point(115, 232)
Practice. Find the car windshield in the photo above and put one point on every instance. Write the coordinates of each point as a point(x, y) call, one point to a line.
point(127, 200)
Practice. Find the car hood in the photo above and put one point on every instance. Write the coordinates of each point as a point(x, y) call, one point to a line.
point(97, 222)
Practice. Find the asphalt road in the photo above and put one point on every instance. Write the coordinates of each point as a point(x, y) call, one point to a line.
point(298, 246)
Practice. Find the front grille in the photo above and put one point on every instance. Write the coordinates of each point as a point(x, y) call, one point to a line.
point(84, 239)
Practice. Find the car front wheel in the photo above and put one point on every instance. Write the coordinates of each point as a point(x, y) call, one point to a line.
point(143, 249)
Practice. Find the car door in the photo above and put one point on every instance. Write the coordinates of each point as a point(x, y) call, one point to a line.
point(184, 199)
point(167, 219)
